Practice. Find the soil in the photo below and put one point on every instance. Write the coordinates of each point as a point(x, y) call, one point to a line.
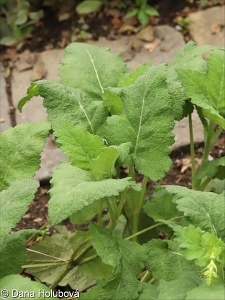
point(57, 29)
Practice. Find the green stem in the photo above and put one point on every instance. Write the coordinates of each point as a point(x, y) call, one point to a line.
point(139, 206)
point(100, 222)
point(211, 138)
point(47, 264)
point(149, 228)
point(204, 184)
point(73, 261)
point(146, 276)
point(36, 234)
point(192, 149)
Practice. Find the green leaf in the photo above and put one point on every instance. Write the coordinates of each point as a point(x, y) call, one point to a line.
point(85, 150)
point(160, 206)
point(80, 146)
point(151, 11)
point(199, 245)
point(212, 169)
point(22, 287)
point(112, 101)
point(94, 69)
point(143, 17)
point(204, 292)
point(203, 209)
point(189, 57)
point(178, 288)
point(206, 90)
point(149, 292)
point(131, 13)
point(126, 266)
point(216, 186)
point(20, 149)
point(87, 7)
point(13, 252)
point(49, 257)
point(31, 92)
point(14, 203)
point(86, 214)
point(79, 110)
point(146, 122)
point(104, 165)
point(66, 200)
point(165, 261)
point(130, 78)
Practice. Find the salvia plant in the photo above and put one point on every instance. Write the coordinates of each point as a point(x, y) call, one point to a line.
point(109, 121)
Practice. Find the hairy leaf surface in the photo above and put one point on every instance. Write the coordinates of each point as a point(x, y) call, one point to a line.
point(20, 149)
point(165, 261)
point(74, 189)
point(91, 68)
point(146, 121)
point(207, 89)
point(14, 203)
point(13, 252)
point(68, 104)
point(204, 209)
point(16, 283)
point(215, 292)
point(178, 288)
point(126, 266)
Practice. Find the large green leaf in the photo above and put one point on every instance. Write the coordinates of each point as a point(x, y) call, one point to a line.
point(189, 57)
point(20, 149)
point(68, 104)
point(178, 288)
point(13, 252)
point(85, 150)
point(160, 206)
point(49, 257)
point(17, 286)
point(14, 203)
point(165, 260)
point(91, 68)
point(74, 189)
point(207, 89)
point(146, 121)
point(126, 266)
point(203, 209)
point(204, 292)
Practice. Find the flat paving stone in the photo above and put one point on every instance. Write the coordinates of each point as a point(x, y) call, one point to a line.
point(207, 27)
point(5, 122)
point(171, 42)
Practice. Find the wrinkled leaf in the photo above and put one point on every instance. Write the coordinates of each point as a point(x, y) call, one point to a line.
point(20, 149)
point(94, 68)
point(146, 122)
point(66, 200)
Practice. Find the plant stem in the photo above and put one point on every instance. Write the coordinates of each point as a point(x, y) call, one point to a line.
point(138, 207)
point(47, 264)
point(73, 261)
point(149, 228)
point(192, 149)
point(35, 234)
point(146, 276)
point(100, 213)
point(211, 138)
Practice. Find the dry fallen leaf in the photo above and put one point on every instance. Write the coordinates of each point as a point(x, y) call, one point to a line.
point(39, 71)
point(146, 34)
point(25, 60)
point(152, 46)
